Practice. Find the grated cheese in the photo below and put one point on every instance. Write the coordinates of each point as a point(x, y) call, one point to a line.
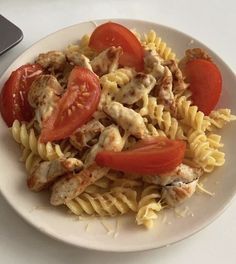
point(116, 229)
point(203, 190)
point(106, 227)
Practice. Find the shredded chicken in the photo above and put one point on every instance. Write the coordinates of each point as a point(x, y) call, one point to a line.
point(83, 135)
point(79, 59)
point(127, 118)
point(46, 172)
point(52, 60)
point(107, 61)
point(74, 184)
point(110, 139)
point(43, 95)
point(133, 91)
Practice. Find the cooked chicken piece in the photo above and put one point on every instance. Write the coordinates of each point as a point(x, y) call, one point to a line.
point(79, 59)
point(52, 60)
point(177, 192)
point(183, 173)
point(133, 91)
point(74, 184)
point(163, 90)
point(110, 139)
point(80, 138)
point(43, 95)
point(127, 118)
point(178, 79)
point(178, 184)
point(107, 61)
point(151, 60)
point(192, 54)
point(47, 172)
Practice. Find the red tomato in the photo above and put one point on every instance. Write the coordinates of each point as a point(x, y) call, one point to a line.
point(205, 83)
point(76, 106)
point(14, 95)
point(113, 34)
point(157, 155)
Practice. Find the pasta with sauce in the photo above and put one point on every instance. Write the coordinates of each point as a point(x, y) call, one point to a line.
point(133, 106)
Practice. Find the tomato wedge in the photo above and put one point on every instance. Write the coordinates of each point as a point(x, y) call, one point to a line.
point(155, 155)
point(76, 106)
point(14, 95)
point(205, 83)
point(113, 34)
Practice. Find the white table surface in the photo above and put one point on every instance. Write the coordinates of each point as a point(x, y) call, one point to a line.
point(213, 22)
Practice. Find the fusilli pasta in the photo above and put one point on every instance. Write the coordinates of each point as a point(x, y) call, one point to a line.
point(153, 41)
point(117, 201)
point(190, 115)
point(163, 119)
point(29, 140)
point(148, 206)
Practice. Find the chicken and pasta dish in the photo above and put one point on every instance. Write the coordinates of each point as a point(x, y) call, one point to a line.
point(116, 124)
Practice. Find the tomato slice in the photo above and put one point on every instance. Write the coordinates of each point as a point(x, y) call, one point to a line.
point(113, 34)
point(156, 155)
point(205, 83)
point(76, 106)
point(14, 95)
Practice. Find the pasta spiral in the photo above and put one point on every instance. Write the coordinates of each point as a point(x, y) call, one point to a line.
point(165, 121)
point(115, 202)
point(148, 206)
point(190, 115)
point(30, 159)
point(110, 83)
point(219, 118)
point(113, 80)
point(29, 140)
point(82, 47)
point(202, 152)
point(152, 41)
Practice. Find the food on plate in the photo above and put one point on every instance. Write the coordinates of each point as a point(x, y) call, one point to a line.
point(116, 124)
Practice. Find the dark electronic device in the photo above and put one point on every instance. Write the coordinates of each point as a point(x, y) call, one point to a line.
point(10, 35)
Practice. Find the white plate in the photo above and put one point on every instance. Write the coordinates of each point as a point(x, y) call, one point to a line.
point(90, 233)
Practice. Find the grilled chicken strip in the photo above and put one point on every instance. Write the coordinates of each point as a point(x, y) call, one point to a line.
point(178, 184)
point(179, 85)
point(79, 59)
point(43, 95)
point(183, 173)
point(164, 90)
point(192, 54)
point(133, 91)
point(178, 192)
point(110, 139)
point(81, 137)
point(52, 60)
point(47, 172)
point(107, 61)
point(127, 118)
point(72, 185)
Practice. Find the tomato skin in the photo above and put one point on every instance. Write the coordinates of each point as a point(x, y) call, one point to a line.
point(114, 34)
point(76, 106)
point(205, 84)
point(160, 156)
point(14, 95)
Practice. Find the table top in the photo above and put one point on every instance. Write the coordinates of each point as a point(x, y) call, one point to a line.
point(212, 22)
